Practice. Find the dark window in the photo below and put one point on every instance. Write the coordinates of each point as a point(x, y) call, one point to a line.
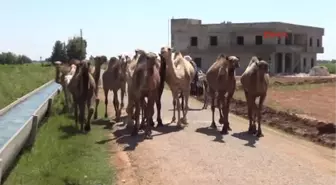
point(304, 63)
point(318, 43)
point(258, 40)
point(312, 63)
point(240, 40)
point(310, 41)
point(279, 40)
point(213, 41)
point(193, 41)
point(198, 62)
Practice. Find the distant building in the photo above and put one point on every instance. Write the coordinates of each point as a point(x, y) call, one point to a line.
point(291, 54)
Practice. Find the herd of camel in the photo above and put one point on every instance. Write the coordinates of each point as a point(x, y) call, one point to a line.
point(145, 75)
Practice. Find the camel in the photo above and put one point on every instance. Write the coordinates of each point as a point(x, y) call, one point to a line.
point(99, 61)
point(179, 75)
point(114, 78)
point(221, 79)
point(64, 74)
point(195, 80)
point(130, 70)
point(83, 89)
point(145, 84)
point(255, 81)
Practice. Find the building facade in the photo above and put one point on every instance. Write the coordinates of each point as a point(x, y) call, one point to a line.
point(288, 48)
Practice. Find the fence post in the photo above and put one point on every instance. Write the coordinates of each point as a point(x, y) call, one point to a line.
point(33, 132)
point(49, 107)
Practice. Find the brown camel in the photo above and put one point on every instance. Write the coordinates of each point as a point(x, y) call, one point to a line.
point(221, 79)
point(130, 70)
point(114, 78)
point(255, 80)
point(99, 61)
point(179, 75)
point(83, 87)
point(145, 84)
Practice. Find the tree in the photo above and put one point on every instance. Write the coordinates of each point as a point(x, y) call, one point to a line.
point(59, 52)
point(76, 48)
point(11, 58)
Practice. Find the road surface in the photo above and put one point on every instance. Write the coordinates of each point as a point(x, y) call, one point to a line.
point(197, 155)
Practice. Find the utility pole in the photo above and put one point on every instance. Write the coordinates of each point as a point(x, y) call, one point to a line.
point(81, 43)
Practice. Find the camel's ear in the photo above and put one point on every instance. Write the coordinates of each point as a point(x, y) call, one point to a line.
point(238, 57)
point(259, 58)
point(119, 56)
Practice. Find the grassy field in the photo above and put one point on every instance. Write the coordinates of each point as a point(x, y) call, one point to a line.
point(61, 155)
point(331, 67)
point(18, 80)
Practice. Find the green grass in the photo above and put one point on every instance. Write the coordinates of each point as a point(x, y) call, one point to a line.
point(18, 80)
point(331, 67)
point(63, 156)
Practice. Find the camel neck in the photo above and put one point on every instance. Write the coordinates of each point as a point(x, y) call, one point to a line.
point(171, 67)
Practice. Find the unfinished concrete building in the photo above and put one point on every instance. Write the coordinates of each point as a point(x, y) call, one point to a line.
point(294, 53)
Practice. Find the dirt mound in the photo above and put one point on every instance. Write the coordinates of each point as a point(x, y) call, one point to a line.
point(319, 71)
point(316, 131)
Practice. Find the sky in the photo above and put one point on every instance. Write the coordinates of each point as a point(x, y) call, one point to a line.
point(114, 27)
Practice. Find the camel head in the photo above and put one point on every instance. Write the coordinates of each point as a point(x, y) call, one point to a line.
point(233, 62)
point(99, 60)
point(262, 66)
point(58, 71)
point(166, 52)
point(152, 58)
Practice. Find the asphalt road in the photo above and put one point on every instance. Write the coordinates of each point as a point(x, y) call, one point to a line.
point(198, 155)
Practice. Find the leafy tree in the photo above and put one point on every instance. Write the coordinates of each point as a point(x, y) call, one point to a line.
point(11, 58)
point(76, 48)
point(59, 52)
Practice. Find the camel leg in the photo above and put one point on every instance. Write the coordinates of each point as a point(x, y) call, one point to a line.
point(122, 94)
point(116, 105)
point(205, 97)
point(143, 107)
point(213, 124)
point(252, 128)
point(158, 109)
point(106, 91)
point(81, 115)
point(137, 114)
point(149, 114)
point(90, 113)
point(174, 106)
point(75, 105)
point(96, 108)
point(261, 101)
point(227, 110)
point(185, 101)
point(223, 110)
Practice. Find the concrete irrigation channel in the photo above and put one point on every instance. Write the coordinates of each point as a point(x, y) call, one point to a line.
point(19, 122)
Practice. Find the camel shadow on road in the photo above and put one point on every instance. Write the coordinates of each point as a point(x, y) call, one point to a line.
point(211, 132)
point(251, 139)
point(190, 109)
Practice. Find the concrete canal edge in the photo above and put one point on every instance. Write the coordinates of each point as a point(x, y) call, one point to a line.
point(24, 136)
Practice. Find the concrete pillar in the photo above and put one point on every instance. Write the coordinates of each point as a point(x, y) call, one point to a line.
point(33, 132)
point(49, 107)
point(283, 62)
point(272, 63)
point(301, 65)
point(293, 62)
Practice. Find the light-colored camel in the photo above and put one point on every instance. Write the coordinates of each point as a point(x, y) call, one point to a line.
point(145, 84)
point(64, 74)
point(114, 79)
point(255, 80)
point(83, 89)
point(179, 75)
point(221, 79)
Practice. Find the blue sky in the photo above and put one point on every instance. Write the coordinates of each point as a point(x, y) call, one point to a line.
point(113, 27)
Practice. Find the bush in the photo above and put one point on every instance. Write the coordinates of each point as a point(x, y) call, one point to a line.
point(331, 67)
